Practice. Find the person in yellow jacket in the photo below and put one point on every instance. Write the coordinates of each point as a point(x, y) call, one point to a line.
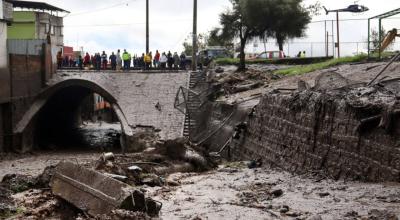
point(147, 61)
point(126, 57)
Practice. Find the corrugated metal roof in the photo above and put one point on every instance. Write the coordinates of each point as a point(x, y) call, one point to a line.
point(25, 47)
point(35, 5)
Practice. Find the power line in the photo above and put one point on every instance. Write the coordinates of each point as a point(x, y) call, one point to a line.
point(350, 19)
point(127, 24)
point(99, 9)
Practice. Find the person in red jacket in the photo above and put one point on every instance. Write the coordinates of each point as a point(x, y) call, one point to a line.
point(157, 59)
point(86, 60)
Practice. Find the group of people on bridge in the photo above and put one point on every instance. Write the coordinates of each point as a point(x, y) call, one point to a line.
point(125, 61)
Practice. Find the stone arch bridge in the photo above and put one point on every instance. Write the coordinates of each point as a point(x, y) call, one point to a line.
point(139, 99)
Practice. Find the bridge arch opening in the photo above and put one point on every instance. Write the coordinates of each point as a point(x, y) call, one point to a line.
point(74, 115)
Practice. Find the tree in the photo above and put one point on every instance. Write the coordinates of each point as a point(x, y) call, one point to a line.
point(215, 38)
point(237, 23)
point(202, 40)
point(290, 17)
point(248, 19)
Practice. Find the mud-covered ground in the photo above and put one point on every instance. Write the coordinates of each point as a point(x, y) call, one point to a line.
point(357, 72)
point(34, 163)
point(233, 191)
point(263, 193)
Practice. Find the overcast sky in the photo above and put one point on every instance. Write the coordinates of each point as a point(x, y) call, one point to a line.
point(112, 24)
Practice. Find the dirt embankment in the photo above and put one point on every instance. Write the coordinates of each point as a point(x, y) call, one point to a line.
point(357, 73)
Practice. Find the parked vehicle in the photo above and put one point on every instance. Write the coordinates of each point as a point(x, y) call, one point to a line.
point(271, 55)
point(209, 54)
point(248, 56)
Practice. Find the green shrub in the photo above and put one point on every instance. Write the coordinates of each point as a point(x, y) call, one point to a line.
point(298, 70)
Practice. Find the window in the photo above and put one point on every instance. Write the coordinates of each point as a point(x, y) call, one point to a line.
point(46, 29)
point(61, 31)
point(53, 30)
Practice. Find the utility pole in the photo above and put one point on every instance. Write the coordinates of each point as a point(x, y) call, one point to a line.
point(326, 41)
point(194, 54)
point(147, 27)
point(338, 34)
point(327, 44)
point(333, 39)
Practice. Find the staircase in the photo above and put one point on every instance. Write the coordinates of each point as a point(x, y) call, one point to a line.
point(193, 103)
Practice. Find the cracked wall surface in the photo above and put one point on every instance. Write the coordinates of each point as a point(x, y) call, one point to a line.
point(327, 132)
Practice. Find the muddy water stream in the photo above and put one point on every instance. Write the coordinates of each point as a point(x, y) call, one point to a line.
point(242, 193)
point(92, 140)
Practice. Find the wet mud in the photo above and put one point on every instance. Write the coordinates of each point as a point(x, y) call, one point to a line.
point(234, 191)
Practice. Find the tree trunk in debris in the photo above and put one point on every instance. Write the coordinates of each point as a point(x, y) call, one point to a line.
point(242, 64)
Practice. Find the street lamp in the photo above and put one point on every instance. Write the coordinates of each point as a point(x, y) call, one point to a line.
point(351, 8)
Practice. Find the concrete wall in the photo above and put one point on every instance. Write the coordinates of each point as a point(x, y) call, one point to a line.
point(3, 44)
point(311, 131)
point(26, 71)
point(27, 75)
point(1, 9)
point(4, 72)
point(43, 23)
point(2, 133)
point(140, 93)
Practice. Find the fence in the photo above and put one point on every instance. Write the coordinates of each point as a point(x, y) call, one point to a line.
point(25, 47)
point(318, 49)
point(353, 39)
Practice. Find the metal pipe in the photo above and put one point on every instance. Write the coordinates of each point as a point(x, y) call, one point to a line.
point(369, 38)
point(326, 43)
point(338, 33)
point(333, 40)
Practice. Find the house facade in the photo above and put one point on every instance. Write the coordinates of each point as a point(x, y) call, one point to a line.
point(37, 21)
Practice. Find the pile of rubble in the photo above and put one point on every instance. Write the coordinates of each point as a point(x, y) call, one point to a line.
point(113, 187)
point(232, 82)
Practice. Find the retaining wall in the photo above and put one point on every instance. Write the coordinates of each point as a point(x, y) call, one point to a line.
point(313, 131)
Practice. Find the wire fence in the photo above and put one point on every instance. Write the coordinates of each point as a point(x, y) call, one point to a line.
point(322, 37)
point(320, 49)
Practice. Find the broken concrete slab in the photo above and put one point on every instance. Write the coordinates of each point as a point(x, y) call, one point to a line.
point(92, 191)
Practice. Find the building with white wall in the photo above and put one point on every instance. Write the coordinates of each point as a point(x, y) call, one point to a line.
point(5, 19)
